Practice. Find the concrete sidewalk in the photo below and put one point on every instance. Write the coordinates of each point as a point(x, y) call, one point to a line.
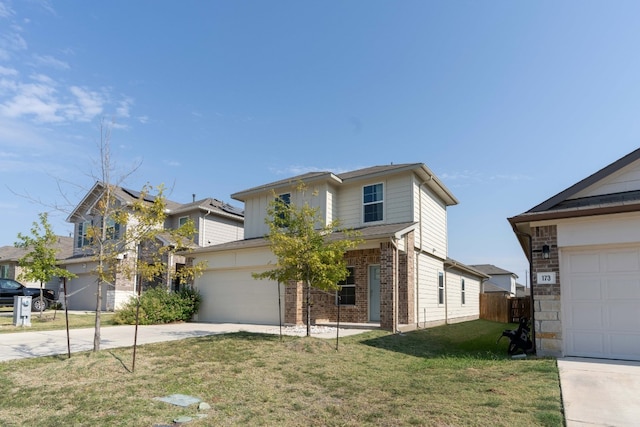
point(20, 345)
point(597, 392)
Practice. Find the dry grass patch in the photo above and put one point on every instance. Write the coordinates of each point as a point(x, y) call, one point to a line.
point(450, 376)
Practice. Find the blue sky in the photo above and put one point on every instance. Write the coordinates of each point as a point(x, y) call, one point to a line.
point(507, 102)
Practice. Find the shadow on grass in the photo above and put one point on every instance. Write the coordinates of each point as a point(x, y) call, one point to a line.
point(476, 339)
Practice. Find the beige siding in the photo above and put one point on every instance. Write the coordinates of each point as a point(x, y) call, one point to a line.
point(219, 230)
point(431, 212)
point(397, 202)
point(626, 179)
point(456, 311)
point(429, 310)
point(256, 207)
point(255, 214)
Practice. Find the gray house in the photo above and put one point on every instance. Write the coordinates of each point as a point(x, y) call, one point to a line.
point(215, 222)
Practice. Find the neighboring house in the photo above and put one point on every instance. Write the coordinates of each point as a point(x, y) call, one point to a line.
point(10, 257)
point(400, 277)
point(584, 248)
point(215, 222)
point(521, 291)
point(499, 280)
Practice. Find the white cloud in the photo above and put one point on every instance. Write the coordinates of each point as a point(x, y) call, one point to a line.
point(50, 61)
point(5, 10)
point(143, 119)
point(89, 104)
point(173, 163)
point(4, 71)
point(123, 107)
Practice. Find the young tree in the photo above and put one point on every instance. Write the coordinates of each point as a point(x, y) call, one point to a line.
point(39, 263)
point(307, 249)
point(119, 233)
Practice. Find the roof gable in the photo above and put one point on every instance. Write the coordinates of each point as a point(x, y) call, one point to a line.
point(621, 176)
point(361, 174)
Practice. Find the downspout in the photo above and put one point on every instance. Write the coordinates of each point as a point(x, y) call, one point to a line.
point(419, 255)
point(530, 259)
point(204, 228)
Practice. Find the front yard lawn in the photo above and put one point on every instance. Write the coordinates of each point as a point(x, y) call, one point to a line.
point(454, 375)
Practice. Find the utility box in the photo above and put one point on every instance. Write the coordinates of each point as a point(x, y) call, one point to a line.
point(21, 311)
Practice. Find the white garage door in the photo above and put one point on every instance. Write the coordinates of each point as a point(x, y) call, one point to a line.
point(601, 303)
point(236, 297)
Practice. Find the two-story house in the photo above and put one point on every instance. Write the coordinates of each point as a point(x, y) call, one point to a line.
point(215, 222)
point(500, 280)
point(399, 277)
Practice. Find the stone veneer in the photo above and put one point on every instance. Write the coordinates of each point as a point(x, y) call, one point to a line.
point(547, 314)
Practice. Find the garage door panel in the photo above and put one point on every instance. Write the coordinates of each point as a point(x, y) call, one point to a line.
point(623, 316)
point(601, 302)
point(627, 261)
point(626, 346)
point(586, 316)
point(623, 288)
point(583, 263)
point(236, 297)
point(588, 344)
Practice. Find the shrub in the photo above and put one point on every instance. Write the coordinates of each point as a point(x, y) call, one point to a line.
point(158, 305)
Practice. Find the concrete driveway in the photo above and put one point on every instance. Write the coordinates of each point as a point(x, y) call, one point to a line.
point(597, 392)
point(20, 345)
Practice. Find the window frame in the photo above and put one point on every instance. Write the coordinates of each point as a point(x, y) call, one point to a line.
point(440, 288)
point(82, 239)
point(463, 290)
point(183, 220)
point(350, 283)
point(4, 271)
point(377, 202)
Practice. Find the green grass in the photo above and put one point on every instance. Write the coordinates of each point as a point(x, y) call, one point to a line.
point(453, 375)
point(51, 320)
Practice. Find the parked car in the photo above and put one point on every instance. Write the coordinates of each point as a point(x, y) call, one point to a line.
point(10, 288)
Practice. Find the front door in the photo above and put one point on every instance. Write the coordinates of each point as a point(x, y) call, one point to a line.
point(374, 293)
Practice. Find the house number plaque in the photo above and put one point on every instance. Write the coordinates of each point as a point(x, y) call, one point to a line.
point(546, 278)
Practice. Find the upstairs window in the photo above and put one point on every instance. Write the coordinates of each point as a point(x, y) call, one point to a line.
point(462, 291)
point(284, 201)
point(372, 201)
point(182, 221)
point(113, 230)
point(347, 293)
point(83, 234)
point(440, 288)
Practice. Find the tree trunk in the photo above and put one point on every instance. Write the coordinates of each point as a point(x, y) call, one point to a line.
point(308, 309)
point(96, 335)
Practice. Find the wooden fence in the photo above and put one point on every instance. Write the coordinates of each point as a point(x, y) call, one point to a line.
point(501, 308)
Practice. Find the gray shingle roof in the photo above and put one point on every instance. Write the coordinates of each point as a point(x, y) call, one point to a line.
point(491, 269)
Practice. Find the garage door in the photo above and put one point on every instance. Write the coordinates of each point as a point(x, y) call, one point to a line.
point(601, 303)
point(236, 297)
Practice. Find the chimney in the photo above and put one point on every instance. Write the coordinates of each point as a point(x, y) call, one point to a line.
point(193, 197)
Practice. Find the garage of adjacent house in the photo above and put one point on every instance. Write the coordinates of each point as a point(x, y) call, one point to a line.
point(584, 248)
point(601, 302)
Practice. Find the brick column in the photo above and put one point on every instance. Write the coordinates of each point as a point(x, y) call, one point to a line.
point(406, 291)
point(547, 315)
point(387, 268)
point(294, 304)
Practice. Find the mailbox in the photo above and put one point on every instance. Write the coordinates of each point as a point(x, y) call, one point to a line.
point(21, 311)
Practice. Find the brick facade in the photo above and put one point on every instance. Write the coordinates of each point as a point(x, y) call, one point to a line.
point(547, 314)
point(324, 307)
